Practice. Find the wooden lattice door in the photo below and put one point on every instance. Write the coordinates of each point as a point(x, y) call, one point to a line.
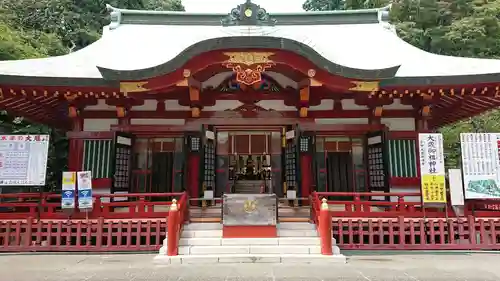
point(377, 163)
point(292, 176)
point(209, 160)
point(122, 162)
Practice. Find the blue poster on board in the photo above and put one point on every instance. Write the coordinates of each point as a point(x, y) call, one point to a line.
point(84, 190)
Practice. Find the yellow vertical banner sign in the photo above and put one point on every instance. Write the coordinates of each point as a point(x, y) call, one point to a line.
point(432, 173)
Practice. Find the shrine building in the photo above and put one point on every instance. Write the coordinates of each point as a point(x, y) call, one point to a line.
point(285, 103)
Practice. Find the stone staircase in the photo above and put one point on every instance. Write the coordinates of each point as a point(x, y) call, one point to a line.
point(203, 243)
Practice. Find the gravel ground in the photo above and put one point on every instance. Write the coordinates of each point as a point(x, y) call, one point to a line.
point(128, 267)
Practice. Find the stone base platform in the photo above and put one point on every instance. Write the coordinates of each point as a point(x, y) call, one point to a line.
point(296, 243)
point(250, 258)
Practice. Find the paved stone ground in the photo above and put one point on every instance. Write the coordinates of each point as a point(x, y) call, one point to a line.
point(135, 267)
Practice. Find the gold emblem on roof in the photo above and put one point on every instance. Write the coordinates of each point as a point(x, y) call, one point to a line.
point(133, 87)
point(248, 58)
point(365, 86)
point(248, 66)
point(249, 206)
point(248, 13)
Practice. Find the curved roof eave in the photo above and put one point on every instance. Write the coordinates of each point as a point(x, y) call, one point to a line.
point(249, 42)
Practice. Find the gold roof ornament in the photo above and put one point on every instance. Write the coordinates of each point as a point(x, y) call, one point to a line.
point(248, 58)
point(133, 87)
point(248, 66)
point(365, 86)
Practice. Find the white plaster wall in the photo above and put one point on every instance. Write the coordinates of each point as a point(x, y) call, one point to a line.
point(330, 121)
point(98, 125)
point(350, 104)
point(221, 105)
point(399, 124)
point(324, 105)
point(135, 121)
point(215, 80)
point(397, 105)
point(101, 105)
point(149, 105)
point(174, 106)
point(278, 105)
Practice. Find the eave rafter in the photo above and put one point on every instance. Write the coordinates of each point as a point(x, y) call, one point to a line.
point(48, 105)
point(449, 103)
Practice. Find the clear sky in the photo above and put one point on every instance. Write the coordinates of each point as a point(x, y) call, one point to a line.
point(225, 6)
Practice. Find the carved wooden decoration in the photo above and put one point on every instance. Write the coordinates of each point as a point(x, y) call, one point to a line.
point(72, 112)
point(377, 111)
point(248, 66)
point(121, 111)
point(195, 112)
point(303, 112)
point(426, 111)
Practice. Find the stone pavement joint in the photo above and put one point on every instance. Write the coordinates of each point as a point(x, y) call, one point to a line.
point(134, 267)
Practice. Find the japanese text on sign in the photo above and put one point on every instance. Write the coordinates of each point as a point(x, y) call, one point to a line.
point(23, 159)
point(481, 165)
point(432, 168)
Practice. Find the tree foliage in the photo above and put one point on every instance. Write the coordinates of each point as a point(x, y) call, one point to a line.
point(466, 28)
point(43, 28)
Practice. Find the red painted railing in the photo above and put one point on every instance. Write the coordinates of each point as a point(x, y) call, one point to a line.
point(48, 206)
point(417, 234)
point(82, 235)
point(102, 235)
point(361, 204)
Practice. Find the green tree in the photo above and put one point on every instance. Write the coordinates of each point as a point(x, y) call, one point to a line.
point(449, 27)
point(43, 28)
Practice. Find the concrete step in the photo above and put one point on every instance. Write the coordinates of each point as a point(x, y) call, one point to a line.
point(249, 249)
point(216, 233)
point(252, 249)
point(251, 258)
point(207, 241)
point(203, 226)
point(296, 226)
point(297, 233)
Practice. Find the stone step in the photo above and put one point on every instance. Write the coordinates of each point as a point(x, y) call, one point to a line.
point(216, 233)
point(203, 241)
point(252, 249)
point(249, 249)
point(250, 258)
point(296, 226)
point(297, 233)
point(203, 226)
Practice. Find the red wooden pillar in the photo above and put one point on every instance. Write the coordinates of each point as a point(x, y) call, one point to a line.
point(194, 143)
point(173, 230)
point(325, 228)
point(75, 154)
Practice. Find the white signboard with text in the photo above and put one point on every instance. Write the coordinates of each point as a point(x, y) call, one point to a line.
point(432, 171)
point(23, 160)
point(481, 165)
point(84, 180)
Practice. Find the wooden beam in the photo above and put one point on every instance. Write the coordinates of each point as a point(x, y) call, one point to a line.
point(185, 114)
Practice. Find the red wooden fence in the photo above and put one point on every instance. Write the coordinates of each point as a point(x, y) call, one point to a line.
point(417, 234)
point(81, 235)
point(147, 235)
point(48, 206)
point(363, 205)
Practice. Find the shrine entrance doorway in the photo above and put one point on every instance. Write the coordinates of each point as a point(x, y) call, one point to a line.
point(249, 160)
